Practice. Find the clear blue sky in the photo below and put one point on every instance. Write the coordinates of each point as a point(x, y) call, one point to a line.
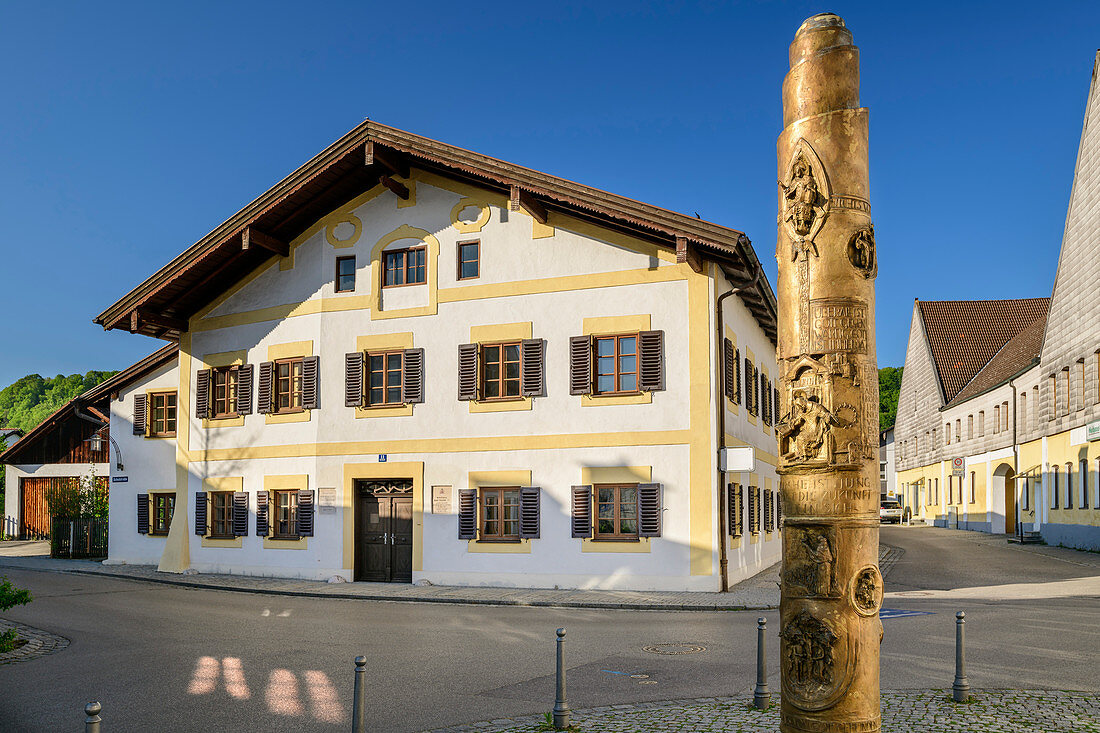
point(130, 130)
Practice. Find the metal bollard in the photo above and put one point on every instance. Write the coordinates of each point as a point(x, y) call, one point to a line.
point(561, 707)
point(760, 696)
point(91, 723)
point(960, 690)
point(359, 704)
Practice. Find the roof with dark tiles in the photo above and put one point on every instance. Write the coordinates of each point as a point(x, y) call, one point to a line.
point(964, 336)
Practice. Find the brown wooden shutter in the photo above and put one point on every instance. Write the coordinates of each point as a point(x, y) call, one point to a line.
point(581, 511)
point(200, 513)
point(143, 513)
point(651, 347)
point(754, 526)
point(311, 374)
point(467, 371)
point(264, 387)
point(240, 513)
point(305, 513)
point(202, 394)
point(139, 414)
point(768, 510)
point(580, 365)
point(412, 381)
point(765, 400)
point(467, 514)
point(729, 367)
point(353, 379)
point(734, 510)
point(649, 510)
point(532, 354)
point(529, 512)
point(737, 375)
point(244, 389)
point(775, 404)
point(779, 510)
point(261, 514)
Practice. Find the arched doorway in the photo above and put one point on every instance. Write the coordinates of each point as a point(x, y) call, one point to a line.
point(1004, 500)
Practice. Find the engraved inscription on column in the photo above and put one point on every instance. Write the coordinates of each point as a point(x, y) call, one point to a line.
point(830, 495)
point(838, 324)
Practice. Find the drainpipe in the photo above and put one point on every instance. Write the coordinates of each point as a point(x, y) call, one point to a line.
point(99, 423)
point(1015, 462)
point(723, 560)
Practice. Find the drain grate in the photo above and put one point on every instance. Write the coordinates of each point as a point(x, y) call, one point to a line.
point(674, 648)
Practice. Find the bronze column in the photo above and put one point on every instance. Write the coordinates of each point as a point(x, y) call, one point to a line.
point(828, 433)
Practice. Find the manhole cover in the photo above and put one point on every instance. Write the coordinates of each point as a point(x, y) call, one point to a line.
point(674, 648)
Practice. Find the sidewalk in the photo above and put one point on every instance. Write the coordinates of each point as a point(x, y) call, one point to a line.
point(905, 711)
point(760, 592)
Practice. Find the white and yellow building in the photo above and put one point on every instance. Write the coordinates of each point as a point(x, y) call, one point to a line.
point(409, 362)
point(998, 424)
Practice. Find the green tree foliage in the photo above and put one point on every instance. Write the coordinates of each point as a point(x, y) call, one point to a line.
point(889, 387)
point(10, 597)
point(30, 400)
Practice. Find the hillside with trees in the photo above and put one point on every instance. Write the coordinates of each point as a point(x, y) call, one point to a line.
point(889, 387)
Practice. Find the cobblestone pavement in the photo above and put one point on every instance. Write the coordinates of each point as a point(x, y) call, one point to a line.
point(909, 711)
point(39, 643)
point(760, 592)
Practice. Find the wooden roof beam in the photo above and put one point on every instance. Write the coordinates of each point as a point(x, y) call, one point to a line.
point(686, 252)
point(252, 237)
point(397, 187)
point(526, 201)
point(141, 317)
point(374, 155)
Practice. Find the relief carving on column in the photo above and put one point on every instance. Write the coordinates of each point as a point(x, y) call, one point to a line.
point(811, 429)
point(817, 661)
point(811, 566)
point(861, 252)
point(806, 197)
point(866, 591)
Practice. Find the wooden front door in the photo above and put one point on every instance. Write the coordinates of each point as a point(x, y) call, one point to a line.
point(384, 533)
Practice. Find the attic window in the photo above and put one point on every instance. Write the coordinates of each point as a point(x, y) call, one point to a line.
point(405, 267)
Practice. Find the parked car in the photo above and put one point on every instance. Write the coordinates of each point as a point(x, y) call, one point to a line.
point(890, 511)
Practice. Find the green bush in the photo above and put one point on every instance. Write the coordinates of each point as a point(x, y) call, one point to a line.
point(10, 597)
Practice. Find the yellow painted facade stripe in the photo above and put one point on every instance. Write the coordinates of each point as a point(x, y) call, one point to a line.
point(700, 456)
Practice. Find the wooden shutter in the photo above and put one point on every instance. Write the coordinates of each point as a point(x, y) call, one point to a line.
point(767, 510)
point(651, 365)
point(529, 512)
point(200, 513)
point(649, 510)
point(735, 513)
point(749, 383)
point(581, 511)
point(139, 414)
point(353, 379)
point(240, 513)
point(412, 381)
point(143, 513)
point(754, 527)
point(532, 355)
point(244, 389)
point(779, 510)
point(264, 387)
point(737, 375)
point(305, 513)
point(261, 514)
point(765, 400)
point(580, 365)
point(202, 394)
point(467, 371)
point(778, 414)
point(729, 368)
point(467, 514)
point(311, 397)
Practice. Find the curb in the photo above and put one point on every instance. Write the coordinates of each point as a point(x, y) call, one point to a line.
point(399, 599)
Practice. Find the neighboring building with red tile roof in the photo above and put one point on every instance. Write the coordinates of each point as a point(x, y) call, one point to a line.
point(998, 423)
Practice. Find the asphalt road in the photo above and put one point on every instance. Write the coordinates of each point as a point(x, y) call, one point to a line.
point(175, 659)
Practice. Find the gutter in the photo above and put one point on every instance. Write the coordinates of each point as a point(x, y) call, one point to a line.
point(723, 560)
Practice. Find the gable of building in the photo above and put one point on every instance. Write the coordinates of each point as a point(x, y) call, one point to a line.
point(376, 160)
point(1074, 322)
